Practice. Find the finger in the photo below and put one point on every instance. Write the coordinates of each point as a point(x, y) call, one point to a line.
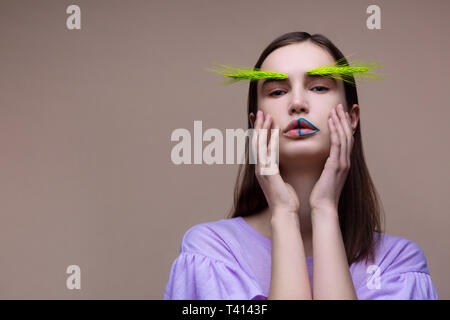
point(257, 125)
point(273, 131)
point(267, 125)
point(262, 141)
point(342, 139)
point(271, 157)
point(352, 139)
point(350, 126)
point(254, 147)
point(259, 119)
point(347, 132)
point(345, 123)
point(274, 143)
point(335, 145)
point(269, 132)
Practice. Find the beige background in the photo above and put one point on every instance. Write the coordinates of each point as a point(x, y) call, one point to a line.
point(86, 118)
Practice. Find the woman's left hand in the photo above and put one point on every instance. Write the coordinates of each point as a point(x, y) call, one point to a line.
point(327, 190)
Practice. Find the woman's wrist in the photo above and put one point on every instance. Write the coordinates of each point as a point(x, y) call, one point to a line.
point(319, 215)
point(324, 212)
point(280, 217)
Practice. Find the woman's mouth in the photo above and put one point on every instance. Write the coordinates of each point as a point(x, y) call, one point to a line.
point(300, 128)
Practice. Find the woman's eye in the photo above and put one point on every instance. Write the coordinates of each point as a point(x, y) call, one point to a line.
point(320, 87)
point(272, 93)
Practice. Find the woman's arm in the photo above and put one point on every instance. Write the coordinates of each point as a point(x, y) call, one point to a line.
point(289, 280)
point(331, 274)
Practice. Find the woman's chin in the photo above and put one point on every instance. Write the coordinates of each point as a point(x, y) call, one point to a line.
point(303, 152)
point(299, 147)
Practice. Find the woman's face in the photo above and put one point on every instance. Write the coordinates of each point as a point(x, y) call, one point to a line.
point(301, 96)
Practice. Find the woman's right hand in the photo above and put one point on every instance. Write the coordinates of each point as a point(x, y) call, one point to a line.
point(281, 196)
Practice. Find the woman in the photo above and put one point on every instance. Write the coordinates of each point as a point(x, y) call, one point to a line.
point(320, 205)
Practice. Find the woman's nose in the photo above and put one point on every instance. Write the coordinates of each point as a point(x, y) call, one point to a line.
point(297, 108)
point(298, 100)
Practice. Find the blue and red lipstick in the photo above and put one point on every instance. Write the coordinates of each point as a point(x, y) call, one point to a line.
point(300, 128)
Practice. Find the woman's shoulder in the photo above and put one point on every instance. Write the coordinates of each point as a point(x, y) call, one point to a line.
point(214, 239)
point(398, 254)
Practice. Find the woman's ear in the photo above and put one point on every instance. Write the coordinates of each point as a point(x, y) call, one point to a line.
point(252, 119)
point(354, 116)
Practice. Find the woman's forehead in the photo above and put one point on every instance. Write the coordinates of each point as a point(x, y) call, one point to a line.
point(295, 59)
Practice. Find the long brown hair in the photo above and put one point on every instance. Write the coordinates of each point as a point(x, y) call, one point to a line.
point(359, 206)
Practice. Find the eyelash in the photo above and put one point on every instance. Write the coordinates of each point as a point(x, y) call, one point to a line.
point(271, 94)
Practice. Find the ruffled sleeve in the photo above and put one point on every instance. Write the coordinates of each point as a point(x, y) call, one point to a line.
point(198, 277)
point(402, 286)
point(403, 275)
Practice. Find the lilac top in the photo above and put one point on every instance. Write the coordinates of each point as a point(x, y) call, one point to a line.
point(230, 260)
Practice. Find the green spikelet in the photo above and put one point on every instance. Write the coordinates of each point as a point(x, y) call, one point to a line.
point(340, 69)
point(241, 73)
point(347, 71)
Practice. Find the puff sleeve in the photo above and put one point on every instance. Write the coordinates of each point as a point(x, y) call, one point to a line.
point(207, 269)
point(402, 286)
point(404, 276)
point(197, 277)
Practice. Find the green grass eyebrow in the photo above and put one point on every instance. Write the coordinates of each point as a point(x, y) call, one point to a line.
point(347, 71)
point(337, 70)
point(243, 73)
